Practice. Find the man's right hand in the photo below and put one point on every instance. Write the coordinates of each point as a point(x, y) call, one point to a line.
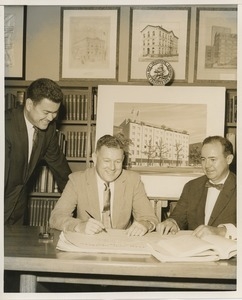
point(92, 226)
point(167, 226)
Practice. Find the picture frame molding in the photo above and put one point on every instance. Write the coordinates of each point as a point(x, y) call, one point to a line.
point(210, 78)
point(185, 65)
point(111, 74)
point(212, 97)
point(18, 73)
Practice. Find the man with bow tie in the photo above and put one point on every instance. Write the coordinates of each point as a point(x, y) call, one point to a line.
point(207, 204)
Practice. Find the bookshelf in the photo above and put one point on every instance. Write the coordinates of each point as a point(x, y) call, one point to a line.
point(231, 122)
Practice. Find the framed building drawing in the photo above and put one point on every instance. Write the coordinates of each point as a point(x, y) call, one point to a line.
point(216, 44)
point(14, 37)
point(89, 43)
point(159, 33)
point(165, 124)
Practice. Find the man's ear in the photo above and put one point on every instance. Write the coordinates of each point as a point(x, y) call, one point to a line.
point(94, 158)
point(230, 158)
point(28, 104)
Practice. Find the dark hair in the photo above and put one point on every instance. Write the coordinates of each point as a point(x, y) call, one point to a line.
point(117, 141)
point(226, 144)
point(44, 88)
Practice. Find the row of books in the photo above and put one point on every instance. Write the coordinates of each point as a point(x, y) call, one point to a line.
point(76, 107)
point(13, 101)
point(40, 210)
point(45, 182)
point(231, 109)
point(76, 144)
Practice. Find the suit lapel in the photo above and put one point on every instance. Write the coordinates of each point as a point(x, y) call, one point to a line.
point(23, 139)
point(201, 205)
point(92, 194)
point(222, 201)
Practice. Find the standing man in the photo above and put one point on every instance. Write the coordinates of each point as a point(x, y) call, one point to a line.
point(126, 207)
point(208, 204)
point(30, 136)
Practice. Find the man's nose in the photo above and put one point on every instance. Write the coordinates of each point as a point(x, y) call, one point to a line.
point(112, 165)
point(50, 116)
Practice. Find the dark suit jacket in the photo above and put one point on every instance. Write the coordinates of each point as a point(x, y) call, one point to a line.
point(18, 171)
point(189, 212)
point(81, 192)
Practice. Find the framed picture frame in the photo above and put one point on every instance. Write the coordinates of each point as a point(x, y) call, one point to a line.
point(15, 38)
point(159, 33)
point(166, 125)
point(216, 45)
point(89, 43)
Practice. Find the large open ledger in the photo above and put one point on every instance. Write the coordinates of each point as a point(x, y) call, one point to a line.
point(180, 247)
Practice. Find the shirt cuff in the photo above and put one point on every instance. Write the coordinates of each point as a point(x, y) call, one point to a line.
point(231, 231)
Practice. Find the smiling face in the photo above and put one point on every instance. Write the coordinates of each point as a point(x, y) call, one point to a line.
point(41, 113)
point(108, 163)
point(214, 163)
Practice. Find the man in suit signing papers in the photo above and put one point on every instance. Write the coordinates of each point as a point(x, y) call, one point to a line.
point(208, 204)
point(106, 196)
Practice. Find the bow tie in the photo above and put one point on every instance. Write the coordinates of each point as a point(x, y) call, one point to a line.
point(217, 186)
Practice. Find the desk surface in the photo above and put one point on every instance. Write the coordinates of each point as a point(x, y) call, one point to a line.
point(24, 251)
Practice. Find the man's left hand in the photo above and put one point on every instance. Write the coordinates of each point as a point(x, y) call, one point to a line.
point(137, 229)
point(203, 230)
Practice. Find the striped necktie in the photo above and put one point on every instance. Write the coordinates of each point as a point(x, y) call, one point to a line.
point(106, 213)
point(35, 139)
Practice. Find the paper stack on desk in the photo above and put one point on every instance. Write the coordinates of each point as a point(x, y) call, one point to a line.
point(180, 247)
point(187, 247)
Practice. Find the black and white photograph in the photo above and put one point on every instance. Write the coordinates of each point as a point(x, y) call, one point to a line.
point(121, 149)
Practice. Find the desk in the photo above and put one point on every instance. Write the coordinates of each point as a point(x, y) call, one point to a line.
point(41, 262)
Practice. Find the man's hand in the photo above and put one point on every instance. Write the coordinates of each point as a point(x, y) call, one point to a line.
point(137, 229)
point(92, 226)
point(203, 230)
point(167, 226)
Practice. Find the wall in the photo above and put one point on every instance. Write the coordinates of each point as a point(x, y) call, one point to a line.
point(43, 42)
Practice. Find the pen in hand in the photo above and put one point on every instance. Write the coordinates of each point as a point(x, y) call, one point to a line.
point(104, 229)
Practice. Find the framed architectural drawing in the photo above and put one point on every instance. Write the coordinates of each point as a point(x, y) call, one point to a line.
point(89, 43)
point(165, 124)
point(14, 46)
point(216, 44)
point(159, 33)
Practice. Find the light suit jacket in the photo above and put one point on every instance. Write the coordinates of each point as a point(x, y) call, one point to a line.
point(189, 212)
point(81, 192)
point(18, 171)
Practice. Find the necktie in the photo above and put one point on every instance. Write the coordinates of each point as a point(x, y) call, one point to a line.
point(217, 186)
point(35, 139)
point(106, 214)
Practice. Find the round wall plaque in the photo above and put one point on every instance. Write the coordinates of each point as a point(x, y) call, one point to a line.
point(159, 72)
